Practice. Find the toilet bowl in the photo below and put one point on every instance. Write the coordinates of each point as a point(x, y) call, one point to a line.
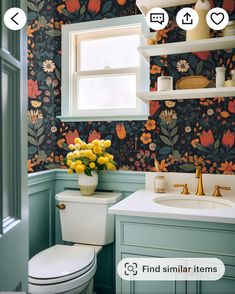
point(67, 268)
point(63, 269)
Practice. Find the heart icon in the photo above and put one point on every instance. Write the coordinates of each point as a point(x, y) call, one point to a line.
point(217, 18)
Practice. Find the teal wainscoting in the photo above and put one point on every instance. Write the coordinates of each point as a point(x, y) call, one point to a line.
point(44, 222)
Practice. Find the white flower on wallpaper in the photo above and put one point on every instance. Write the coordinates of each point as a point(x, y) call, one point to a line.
point(182, 66)
point(48, 66)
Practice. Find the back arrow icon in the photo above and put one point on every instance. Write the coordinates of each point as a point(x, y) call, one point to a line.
point(12, 18)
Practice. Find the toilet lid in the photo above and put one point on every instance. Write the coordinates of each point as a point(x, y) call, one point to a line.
point(61, 261)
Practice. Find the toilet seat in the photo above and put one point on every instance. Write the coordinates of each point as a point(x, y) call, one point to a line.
point(60, 264)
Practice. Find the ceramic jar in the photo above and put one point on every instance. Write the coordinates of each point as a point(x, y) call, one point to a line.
point(159, 184)
point(230, 29)
point(165, 83)
point(88, 184)
point(220, 76)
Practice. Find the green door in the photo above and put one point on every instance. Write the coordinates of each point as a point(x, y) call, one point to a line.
point(13, 156)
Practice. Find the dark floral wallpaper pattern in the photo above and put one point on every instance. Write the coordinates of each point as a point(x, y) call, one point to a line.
point(180, 134)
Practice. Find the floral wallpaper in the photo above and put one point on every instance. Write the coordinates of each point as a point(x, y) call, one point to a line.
point(180, 134)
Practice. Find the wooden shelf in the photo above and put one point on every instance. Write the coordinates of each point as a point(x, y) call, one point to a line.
point(145, 5)
point(185, 47)
point(187, 94)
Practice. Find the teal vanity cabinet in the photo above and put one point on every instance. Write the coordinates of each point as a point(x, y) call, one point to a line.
point(153, 237)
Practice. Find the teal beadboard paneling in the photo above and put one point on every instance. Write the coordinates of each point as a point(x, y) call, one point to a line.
point(44, 222)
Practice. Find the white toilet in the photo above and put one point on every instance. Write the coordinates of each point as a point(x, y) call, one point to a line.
point(70, 269)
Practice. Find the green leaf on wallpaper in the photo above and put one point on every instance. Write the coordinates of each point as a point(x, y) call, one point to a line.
point(32, 6)
point(199, 68)
point(65, 12)
point(42, 155)
point(42, 20)
point(107, 6)
point(57, 73)
point(38, 124)
point(54, 33)
point(40, 6)
point(32, 150)
point(32, 141)
point(165, 132)
point(175, 139)
point(187, 167)
point(32, 16)
point(165, 140)
point(216, 145)
point(40, 131)
point(200, 147)
point(41, 140)
point(176, 155)
point(173, 123)
point(165, 150)
point(82, 10)
point(174, 132)
point(31, 132)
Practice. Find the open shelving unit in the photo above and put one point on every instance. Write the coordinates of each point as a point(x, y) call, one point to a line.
point(219, 43)
point(187, 94)
point(184, 47)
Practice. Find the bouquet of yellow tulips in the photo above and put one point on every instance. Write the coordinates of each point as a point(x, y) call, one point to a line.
point(89, 157)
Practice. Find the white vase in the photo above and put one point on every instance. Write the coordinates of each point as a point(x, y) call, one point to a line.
point(88, 184)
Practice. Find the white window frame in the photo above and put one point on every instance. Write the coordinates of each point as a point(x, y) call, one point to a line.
point(71, 36)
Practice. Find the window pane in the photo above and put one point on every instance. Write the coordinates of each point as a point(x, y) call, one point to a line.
point(114, 52)
point(107, 92)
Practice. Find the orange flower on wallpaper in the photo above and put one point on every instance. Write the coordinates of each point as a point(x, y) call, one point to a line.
point(121, 2)
point(60, 8)
point(207, 138)
point(231, 106)
point(163, 166)
point(150, 124)
point(146, 138)
point(121, 132)
point(225, 114)
point(228, 168)
point(228, 139)
point(71, 136)
point(72, 5)
point(33, 91)
point(94, 6)
point(94, 136)
point(155, 69)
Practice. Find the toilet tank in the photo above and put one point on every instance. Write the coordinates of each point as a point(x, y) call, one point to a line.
point(85, 219)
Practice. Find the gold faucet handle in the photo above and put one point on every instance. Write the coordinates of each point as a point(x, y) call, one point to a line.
point(217, 193)
point(185, 190)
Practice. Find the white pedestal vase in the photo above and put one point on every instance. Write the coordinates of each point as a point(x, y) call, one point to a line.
point(88, 184)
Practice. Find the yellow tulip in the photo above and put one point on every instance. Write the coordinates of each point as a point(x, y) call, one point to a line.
point(70, 171)
point(76, 154)
point(79, 169)
point(90, 146)
point(92, 165)
point(93, 157)
point(69, 162)
point(77, 140)
point(78, 162)
point(111, 166)
point(73, 165)
point(71, 147)
point(97, 150)
point(70, 155)
point(101, 160)
point(96, 143)
point(107, 143)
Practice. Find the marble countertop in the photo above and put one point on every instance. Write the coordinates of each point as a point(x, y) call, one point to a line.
point(141, 204)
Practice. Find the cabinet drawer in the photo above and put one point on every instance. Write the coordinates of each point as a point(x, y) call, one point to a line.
point(191, 239)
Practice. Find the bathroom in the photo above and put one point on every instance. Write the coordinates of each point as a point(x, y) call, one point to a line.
point(169, 131)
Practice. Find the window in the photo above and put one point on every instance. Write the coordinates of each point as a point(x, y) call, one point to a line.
point(101, 70)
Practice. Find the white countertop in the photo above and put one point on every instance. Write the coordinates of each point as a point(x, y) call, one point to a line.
point(141, 204)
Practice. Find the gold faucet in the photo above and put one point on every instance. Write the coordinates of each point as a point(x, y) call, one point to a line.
point(200, 190)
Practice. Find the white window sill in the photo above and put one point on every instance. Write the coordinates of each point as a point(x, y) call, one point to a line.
point(102, 118)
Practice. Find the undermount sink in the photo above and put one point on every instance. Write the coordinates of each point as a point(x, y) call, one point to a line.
point(194, 202)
